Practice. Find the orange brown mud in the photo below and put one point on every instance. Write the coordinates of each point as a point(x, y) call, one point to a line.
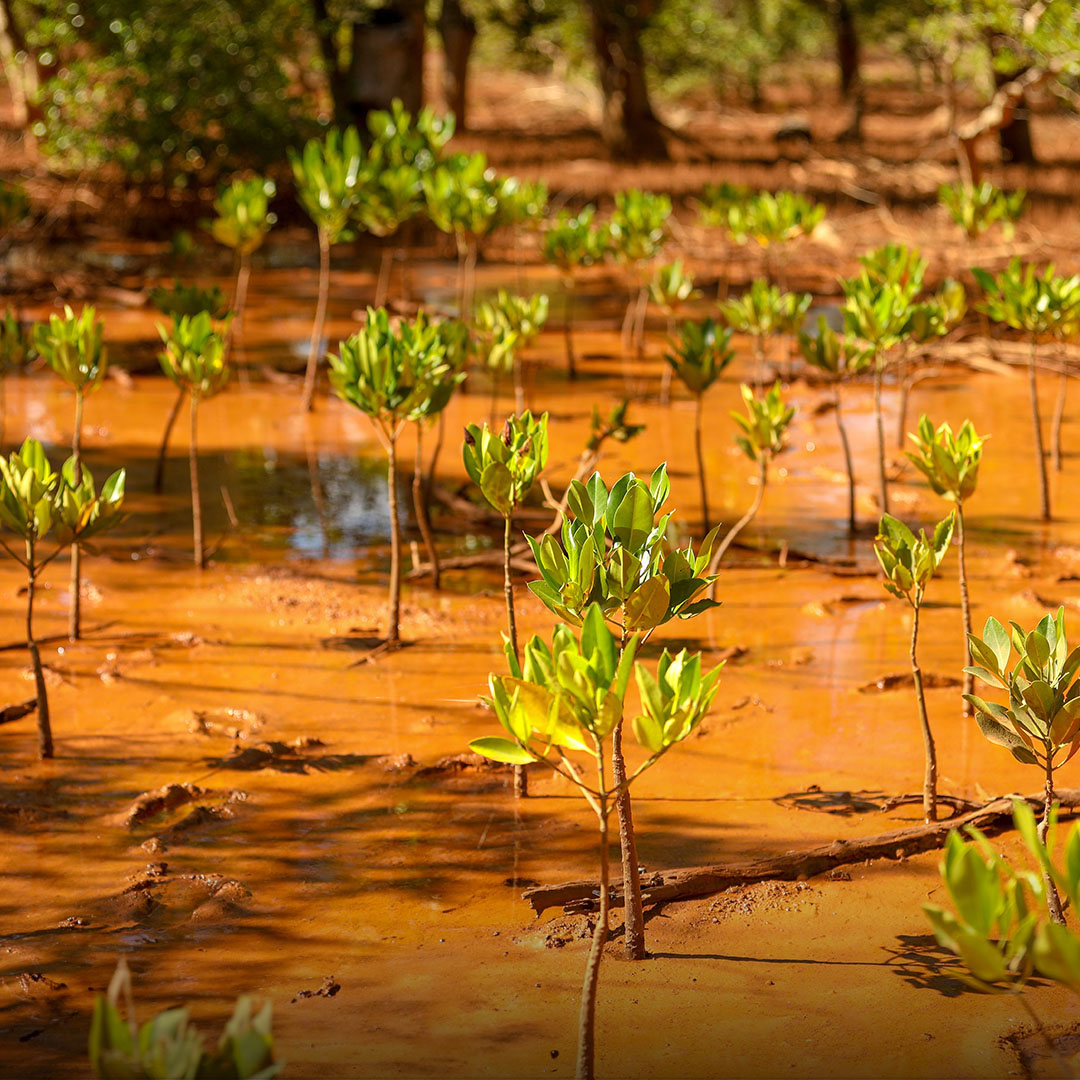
point(321, 844)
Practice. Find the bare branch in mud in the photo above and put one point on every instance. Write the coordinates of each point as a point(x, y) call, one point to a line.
point(683, 884)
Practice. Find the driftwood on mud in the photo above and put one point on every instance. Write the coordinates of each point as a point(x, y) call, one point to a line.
point(10, 713)
point(992, 817)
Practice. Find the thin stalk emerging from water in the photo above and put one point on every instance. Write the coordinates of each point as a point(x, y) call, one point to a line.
point(1036, 420)
point(847, 463)
point(420, 507)
point(586, 1059)
point(883, 480)
point(75, 614)
point(755, 506)
point(1053, 901)
point(45, 739)
point(170, 423)
point(320, 319)
point(930, 776)
point(193, 467)
point(705, 516)
point(521, 777)
point(965, 605)
point(1059, 417)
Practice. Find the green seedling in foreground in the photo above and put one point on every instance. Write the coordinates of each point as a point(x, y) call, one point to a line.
point(194, 358)
point(329, 175)
point(37, 502)
point(168, 1046)
point(390, 373)
point(560, 707)
point(950, 464)
point(1042, 719)
point(764, 435)
point(614, 554)
point(839, 359)
point(699, 358)
point(908, 563)
point(996, 929)
point(73, 348)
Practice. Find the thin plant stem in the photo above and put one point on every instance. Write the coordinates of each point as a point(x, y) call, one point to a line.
point(382, 284)
point(193, 466)
point(568, 328)
point(632, 907)
point(1036, 421)
point(393, 631)
point(521, 777)
point(755, 506)
point(420, 507)
point(75, 612)
point(236, 333)
point(1053, 901)
point(170, 423)
point(965, 604)
point(705, 516)
point(930, 776)
point(45, 739)
point(586, 1059)
point(759, 361)
point(848, 464)
point(440, 437)
point(883, 480)
point(665, 378)
point(320, 320)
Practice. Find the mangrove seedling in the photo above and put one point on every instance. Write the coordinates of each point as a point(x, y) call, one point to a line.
point(772, 220)
point(909, 562)
point(560, 706)
point(975, 207)
point(764, 434)
point(638, 231)
point(194, 359)
point(700, 356)
point(671, 288)
point(330, 175)
point(615, 552)
point(243, 219)
point(1026, 299)
point(1042, 718)
point(714, 212)
point(177, 302)
point(997, 930)
point(763, 310)
point(504, 467)
point(950, 464)
point(569, 243)
point(72, 347)
point(389, 373)
point(36, 501)
point(168, 1045)
point(839, 359)
point(510, 323)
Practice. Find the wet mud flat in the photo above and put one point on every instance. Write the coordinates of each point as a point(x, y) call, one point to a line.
point(240, 805)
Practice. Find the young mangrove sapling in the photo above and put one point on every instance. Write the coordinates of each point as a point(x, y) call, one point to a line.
point(72, 347)
point(909, 562)
point(1042, 718)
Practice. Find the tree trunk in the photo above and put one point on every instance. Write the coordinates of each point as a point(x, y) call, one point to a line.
point(586, 1058)
point(320, 319)
point(847, 47)
point(635, 915)
point(458, 32)
point(326, 34)
point(393, 631)
point(1014, 136)
point(45, 739)
point(170, 423)
point(75, 612)
point(387, 60)
point(1053, 901)
point(193, 467)
point(1036, 420)
point(420, 507)
point(629, 126)
point(930, 775)
point(965, 605)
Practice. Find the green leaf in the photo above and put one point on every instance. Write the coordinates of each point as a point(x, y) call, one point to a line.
point(497, 484)
point(501, 750)
point(647, 606)
point(633, 520)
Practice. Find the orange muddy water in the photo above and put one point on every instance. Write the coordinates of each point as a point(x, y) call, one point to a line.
point(373, 894)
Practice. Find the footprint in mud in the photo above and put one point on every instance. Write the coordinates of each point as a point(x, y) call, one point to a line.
point(156, 897)
point(291, 757)
point(904, 680)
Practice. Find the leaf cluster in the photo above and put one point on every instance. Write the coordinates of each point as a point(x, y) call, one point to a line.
point(764, 427)
point(194, 356)
point(638, 227)
point(976, 207)
point(16, 342)
point(950, 462)
point(672, 286)
point(764, 309)
point(573, 240)
point(1026, 298)
point(505, 465)
point(836, 356)
point(909, 562)
point(769, 218)
point(183, 300)
point(71, 345)
point(701, 354)
point(243, 213)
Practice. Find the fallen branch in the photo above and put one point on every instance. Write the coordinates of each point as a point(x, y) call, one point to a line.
point(10, 713)
point(668, 885)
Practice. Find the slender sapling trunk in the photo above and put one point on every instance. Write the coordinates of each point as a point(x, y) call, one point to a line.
point(420, 507)
point(1036, 420)
point(632, 908)
point(393, 632)
point(382, 284)
point(586, 1059)
point(243, 274)
point(705, 516)
point(170, 423)
point(320, 319)
point(883, 480)
point(965, 605)
point(440, 436)
point(755, 506)
point(1053, 901)
point(759, 361)
point(196, 498)
point(930, 776)
point(847, 464)
point(45, 739)
point(665, 378)
point(521, 777)
point(75, 613)
point(568, 328)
